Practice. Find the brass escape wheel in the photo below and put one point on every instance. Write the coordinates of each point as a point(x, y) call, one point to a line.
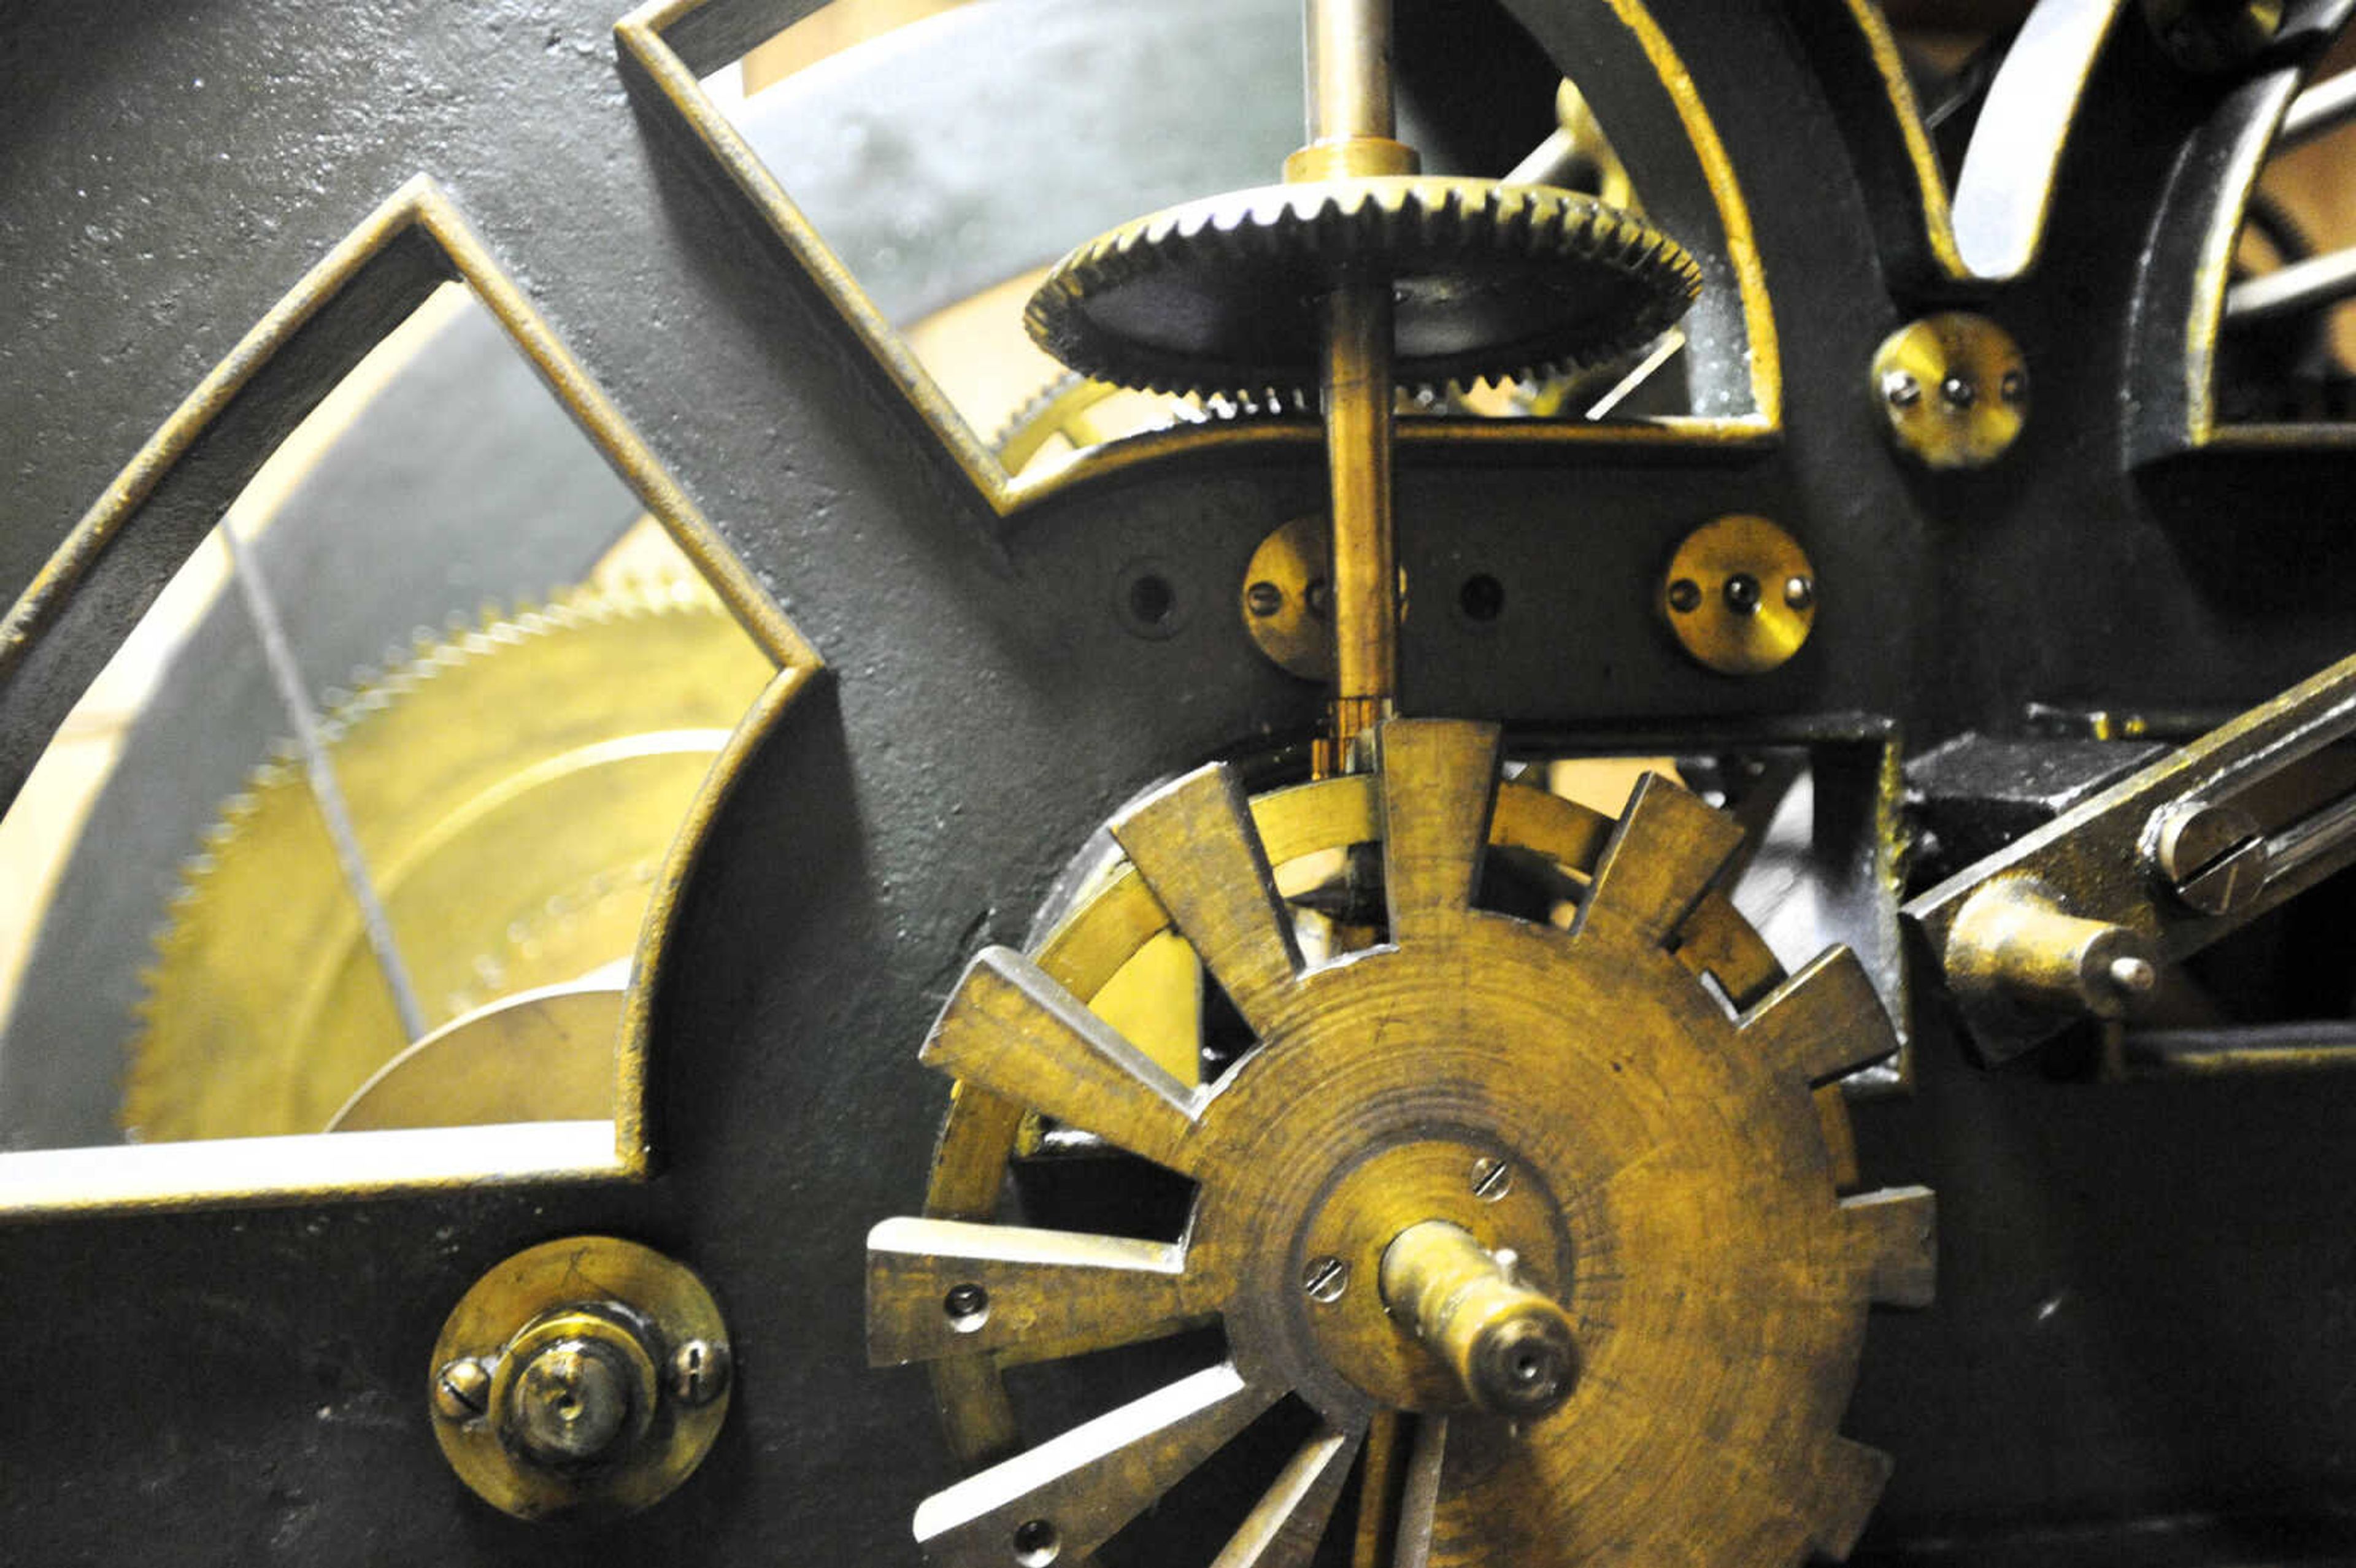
point(1669, 1184)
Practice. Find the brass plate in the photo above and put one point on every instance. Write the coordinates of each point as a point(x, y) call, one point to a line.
point(662, 1300)
point(1741, 595)
point(1953, 389)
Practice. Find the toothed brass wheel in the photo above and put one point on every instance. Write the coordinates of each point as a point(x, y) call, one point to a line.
point(1443, 1150)
point(513, 789)
point(1214, 297)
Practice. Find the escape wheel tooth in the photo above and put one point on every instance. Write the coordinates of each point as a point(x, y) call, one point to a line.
point(1894, 1233)
point(1660, 860)
point(1285, 1527)
point(1437, 781)
point(1850, 1476)
point(947, 1287)
point(1824, 1022)
point(1063, 1499)
point(1011, 1028)
point(1195, 845)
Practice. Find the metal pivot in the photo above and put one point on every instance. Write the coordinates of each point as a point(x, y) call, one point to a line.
point(1350, 127)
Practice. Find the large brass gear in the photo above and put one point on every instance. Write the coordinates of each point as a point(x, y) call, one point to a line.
point(1491, 281)
point(1670, 1184)
point(513, 789)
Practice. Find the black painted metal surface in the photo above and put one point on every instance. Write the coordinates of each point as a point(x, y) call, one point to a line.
point(2144, 1289)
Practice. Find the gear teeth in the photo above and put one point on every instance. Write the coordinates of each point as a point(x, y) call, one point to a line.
point(1414, 222)
point(1659, 860)
point(1850, 1481)
point(1824, 1022)
point(1894, 1239)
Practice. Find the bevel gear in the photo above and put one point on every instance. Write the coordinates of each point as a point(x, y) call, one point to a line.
point(1490, 281)
point(513, 788)
point(1621, 1148)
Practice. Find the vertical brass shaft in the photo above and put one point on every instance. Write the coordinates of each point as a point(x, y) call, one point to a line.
point(1350, 112)
point(1357, 388)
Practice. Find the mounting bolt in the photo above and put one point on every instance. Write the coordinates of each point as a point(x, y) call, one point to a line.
point(462, 1390)
point(1959, 393)
point(2212, 857)
point(700, 1369)
point(1264, 599)
point(2014, 389)
point(570, 1404)
point(1742, 593)
point(1800, 592)
point(1325, 1279)
point(1684, 596)
point(1491, 1178)
point(1903, 391)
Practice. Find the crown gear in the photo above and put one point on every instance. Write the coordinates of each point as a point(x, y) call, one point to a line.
point(1544, 1192)
point(1490, 281)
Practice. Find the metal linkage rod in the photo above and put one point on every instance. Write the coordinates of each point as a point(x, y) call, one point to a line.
point(2322, 108)
point(1349, 62)
point(2294, 290)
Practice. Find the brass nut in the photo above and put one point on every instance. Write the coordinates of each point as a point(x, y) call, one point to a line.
point(1714, 595)
point(561, 1398)
point(1982, 383)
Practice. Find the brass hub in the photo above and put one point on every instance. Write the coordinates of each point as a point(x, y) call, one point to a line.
point(1361, 1213)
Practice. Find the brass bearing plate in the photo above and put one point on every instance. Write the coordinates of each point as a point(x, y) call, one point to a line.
point(1741, 595)
point(1953, 389)
point(636, 1309)
point(1286, 601)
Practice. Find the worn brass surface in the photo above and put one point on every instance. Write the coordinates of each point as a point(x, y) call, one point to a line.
point(543, 1056)
point(510, 855)
point(2016, 953)
point(1509, 1348)
point(1287, 598)
point(1568, 1061)
point(1952, 388)
point(1741, 595)
point(529, 1323)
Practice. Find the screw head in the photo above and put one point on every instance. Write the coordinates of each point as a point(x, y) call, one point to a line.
point(1264, 599)
point(1491, 1178)
point(570, 1403)
point(1685, 595)
point(1742, 593)
point(1958, 392)
point(1799, 593)
point(699, 1372)
point(1901, 390)
point(2014, 388)
point(462, 1390)
point(1325, 1278)
point(1319, 597)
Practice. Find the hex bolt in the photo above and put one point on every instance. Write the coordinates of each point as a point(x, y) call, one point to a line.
point(1685, 595)
point(2014, 388)
point(462, 1390)
point(1325, 1278)
point(2213, 857)
point(1491, 1178)
point(570, 1404)
point(1800, 592)
point(1264, 599)
point(1901, 390)
point(1742, 593)
point(699, 1372)
point(1958, 392)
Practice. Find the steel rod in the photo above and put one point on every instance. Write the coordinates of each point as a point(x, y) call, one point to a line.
point(2322, 108)
point(2294, 290)
point(320, 772)
point(1358, 417)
